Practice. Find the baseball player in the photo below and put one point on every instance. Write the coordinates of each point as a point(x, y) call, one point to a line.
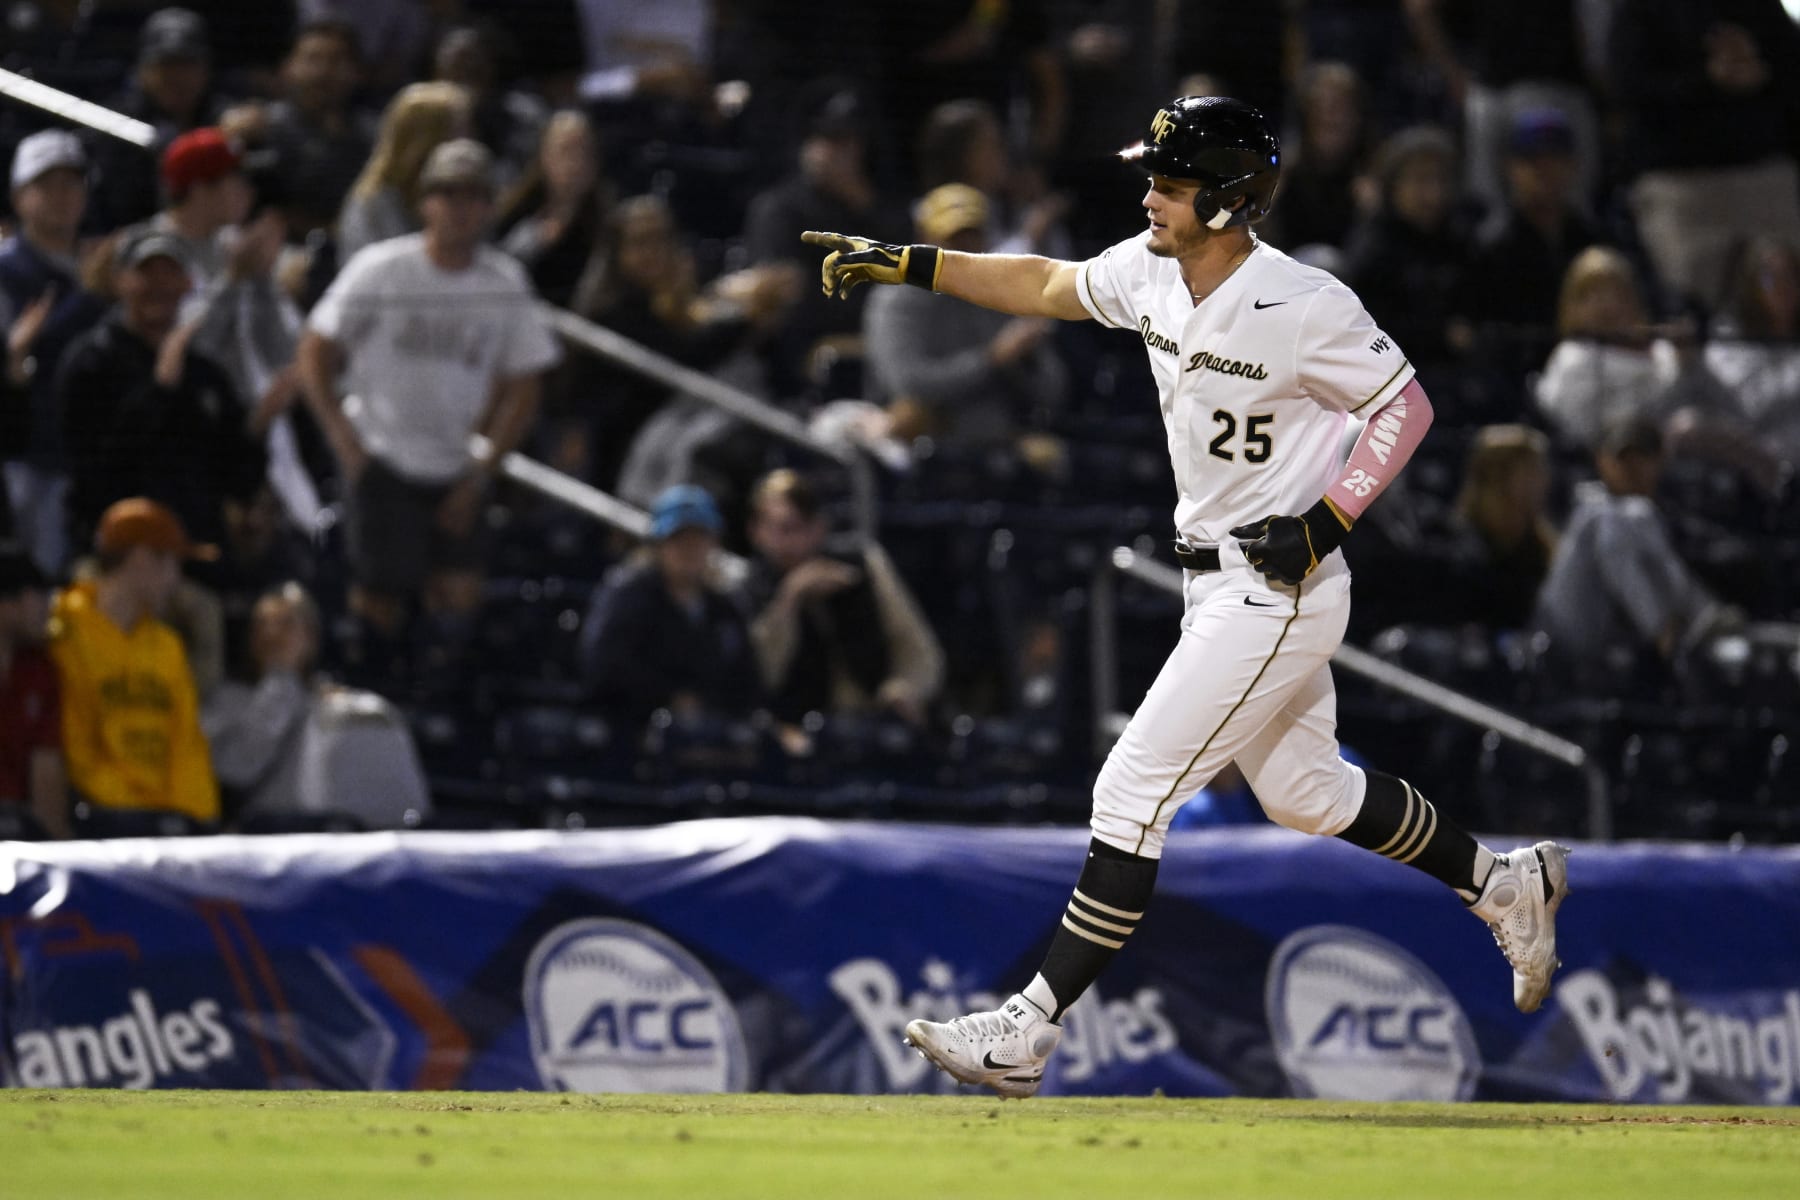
point(1261, 364)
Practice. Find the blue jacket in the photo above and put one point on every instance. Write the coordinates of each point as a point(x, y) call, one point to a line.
point(33, 430)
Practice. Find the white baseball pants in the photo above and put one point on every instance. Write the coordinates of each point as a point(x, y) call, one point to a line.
point(1249, 681)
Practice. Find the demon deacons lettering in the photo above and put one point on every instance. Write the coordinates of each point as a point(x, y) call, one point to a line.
point(1224, 366)
point(1157, 341)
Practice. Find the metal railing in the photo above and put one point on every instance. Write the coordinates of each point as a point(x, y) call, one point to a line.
point(1103, 648)
point(589, 500)
point(640, 360)
point(58, 103)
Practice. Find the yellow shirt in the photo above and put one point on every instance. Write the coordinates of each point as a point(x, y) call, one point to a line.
point(131, 722)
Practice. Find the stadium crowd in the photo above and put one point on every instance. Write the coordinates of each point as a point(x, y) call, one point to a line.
point(254, 560)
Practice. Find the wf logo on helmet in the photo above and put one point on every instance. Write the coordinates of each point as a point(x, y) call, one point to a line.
point(1161, 126)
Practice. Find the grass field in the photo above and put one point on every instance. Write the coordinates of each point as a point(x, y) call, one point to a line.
point(344, 1146)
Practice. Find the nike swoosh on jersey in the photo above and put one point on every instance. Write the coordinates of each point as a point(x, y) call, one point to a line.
point(1260, 603)
point(1271, 304)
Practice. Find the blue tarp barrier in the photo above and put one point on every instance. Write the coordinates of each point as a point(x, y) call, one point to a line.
point(786, 955)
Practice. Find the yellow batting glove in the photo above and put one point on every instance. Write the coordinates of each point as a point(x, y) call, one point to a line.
point(855, 260)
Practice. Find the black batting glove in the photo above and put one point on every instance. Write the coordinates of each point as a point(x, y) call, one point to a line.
point(1288, 549)
point(855, 260)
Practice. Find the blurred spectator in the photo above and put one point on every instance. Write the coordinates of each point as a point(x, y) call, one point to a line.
point(1512, 59)
point(208, 192)
point(641, 283)
point(1324, 164)
point(965, 375)
point(1244, 45)
point(244, 320)
point(289, 745)
point(832, 189)
point(1710, 91)
point(43, 308)
point(659, 634)
point(1501, 538)
point(1526, 247)
point(395, 35)
point(421, 342)
point(130, 717)
point(66, 43)
point(543, 36)
point(144, 414)
point(384, 201)
point(645, 52)
point(1117, 58)
point(262, 550)
point(962, 142)
point(1409, 257)
point(1755, 349)
point(1611, 362)
point(248, 41)
point(834, 632)
point(32, 772)
point(173, 92)
point(507, 121)
point(320, 135)
point(1003, 56)
point(1619, 601)
point(551, 218)
point(1368, 35)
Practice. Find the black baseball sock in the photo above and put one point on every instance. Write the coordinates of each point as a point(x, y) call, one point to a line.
point(1109, 901)
point(1398, 823)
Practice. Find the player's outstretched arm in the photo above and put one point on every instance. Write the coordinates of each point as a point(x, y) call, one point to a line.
point(1024, 285)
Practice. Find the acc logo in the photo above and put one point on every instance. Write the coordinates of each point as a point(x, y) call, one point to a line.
point(1161, 126)
point(1355, 1017)
point(615, 1006)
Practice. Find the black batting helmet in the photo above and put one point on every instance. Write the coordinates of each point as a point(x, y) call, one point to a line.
point(1223, 144)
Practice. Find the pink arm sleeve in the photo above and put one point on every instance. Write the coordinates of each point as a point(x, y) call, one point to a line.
point(1387, 442)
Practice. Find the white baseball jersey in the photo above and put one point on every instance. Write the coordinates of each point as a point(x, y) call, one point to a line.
point(1257, 383)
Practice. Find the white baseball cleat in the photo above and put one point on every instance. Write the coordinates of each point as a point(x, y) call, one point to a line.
point(1519, 904)
point(1004, 1050)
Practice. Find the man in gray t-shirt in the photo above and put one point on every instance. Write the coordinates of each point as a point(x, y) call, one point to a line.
point(422, 341)
point(1618, 595)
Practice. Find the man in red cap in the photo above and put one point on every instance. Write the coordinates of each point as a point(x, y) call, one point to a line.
point(130, 716)
point(243, 320)
point(207, 193)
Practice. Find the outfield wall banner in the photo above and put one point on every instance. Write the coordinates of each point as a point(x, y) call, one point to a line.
point(786, 955)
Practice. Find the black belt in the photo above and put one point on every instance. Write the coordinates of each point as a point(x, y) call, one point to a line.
point(1197, 558)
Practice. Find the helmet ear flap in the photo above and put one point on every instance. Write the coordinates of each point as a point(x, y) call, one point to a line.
point(1214, 215)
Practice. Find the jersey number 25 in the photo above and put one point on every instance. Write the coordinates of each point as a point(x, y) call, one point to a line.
point(1256, 440)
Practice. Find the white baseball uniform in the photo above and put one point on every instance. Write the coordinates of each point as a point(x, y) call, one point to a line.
point(1257, 384)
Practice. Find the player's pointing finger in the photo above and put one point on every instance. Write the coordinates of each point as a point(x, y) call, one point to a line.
point(831, 241)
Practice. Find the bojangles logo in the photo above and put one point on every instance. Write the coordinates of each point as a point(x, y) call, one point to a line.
point(1161, 127)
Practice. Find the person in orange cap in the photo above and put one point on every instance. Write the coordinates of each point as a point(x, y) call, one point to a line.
point(130, 715)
